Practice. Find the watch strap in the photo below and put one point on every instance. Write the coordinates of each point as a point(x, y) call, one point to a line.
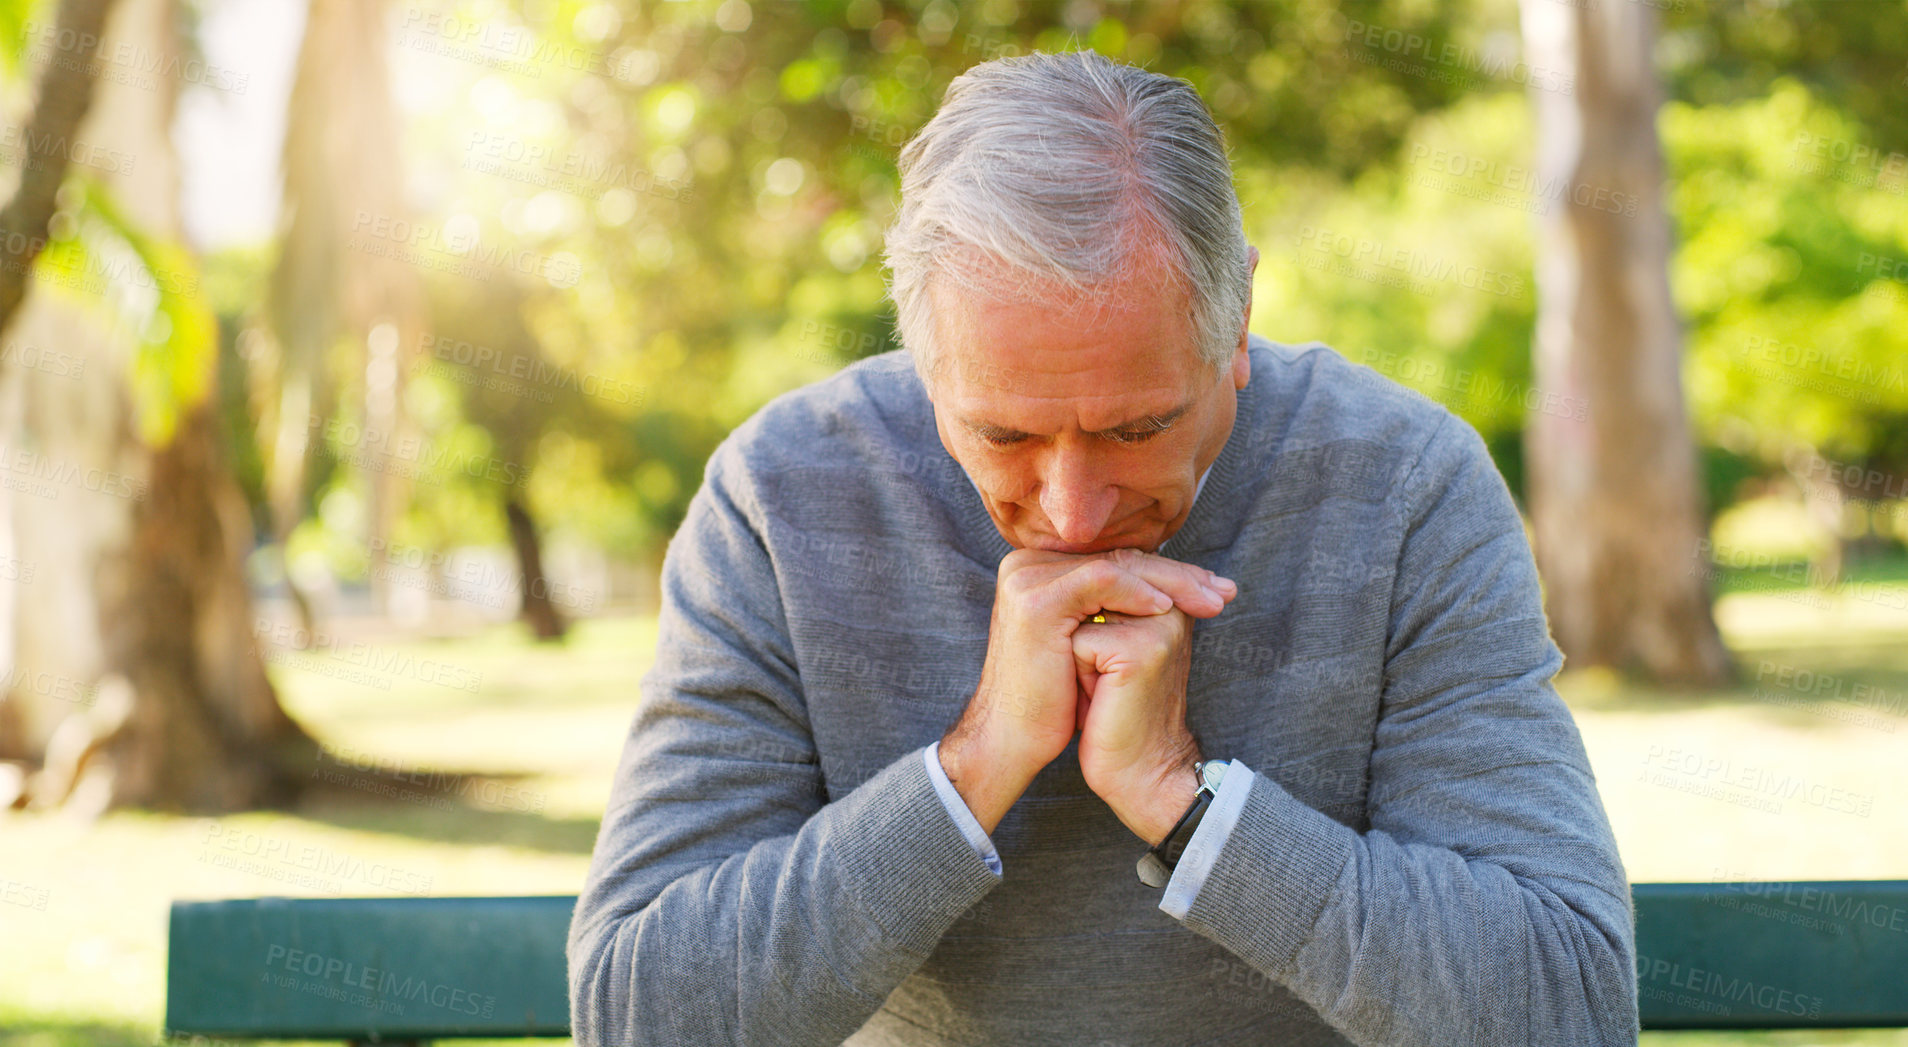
point(1156, 865)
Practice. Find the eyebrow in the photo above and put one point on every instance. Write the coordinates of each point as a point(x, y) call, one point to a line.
point(988, 430)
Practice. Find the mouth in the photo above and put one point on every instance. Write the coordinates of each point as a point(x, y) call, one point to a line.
point(1048, 543)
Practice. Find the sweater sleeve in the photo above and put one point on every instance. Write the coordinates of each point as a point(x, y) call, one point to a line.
point(726, 901)
point(1486, 903)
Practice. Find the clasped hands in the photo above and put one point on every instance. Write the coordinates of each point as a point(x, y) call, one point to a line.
point(1121, 684)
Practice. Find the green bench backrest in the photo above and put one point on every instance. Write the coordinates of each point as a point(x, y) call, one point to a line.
point(1772, 955)
point(1709, 956)
point(369, 968)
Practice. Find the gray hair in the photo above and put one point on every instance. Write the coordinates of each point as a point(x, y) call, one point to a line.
point(1031, 159)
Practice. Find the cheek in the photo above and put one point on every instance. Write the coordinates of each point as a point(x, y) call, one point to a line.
point(1008, 479)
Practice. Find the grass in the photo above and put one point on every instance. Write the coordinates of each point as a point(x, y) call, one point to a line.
point(544, 727)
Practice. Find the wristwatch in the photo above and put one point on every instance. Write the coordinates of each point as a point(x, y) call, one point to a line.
point(1157, 865)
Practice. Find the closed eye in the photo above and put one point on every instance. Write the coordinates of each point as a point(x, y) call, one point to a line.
point(1124, 437)
point(1139, 434)
point(1134, 436)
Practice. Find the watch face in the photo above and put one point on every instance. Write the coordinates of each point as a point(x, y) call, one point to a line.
point(1212, 772)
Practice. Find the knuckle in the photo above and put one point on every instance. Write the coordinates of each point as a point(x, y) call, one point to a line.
point(1103, 572)
point(1012, 562)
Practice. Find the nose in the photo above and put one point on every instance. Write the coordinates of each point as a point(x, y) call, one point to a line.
point(1074, 496)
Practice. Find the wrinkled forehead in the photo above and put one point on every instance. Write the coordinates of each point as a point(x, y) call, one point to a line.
point(1095, 358)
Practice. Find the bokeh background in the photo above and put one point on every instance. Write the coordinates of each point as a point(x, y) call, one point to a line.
point(360, 357)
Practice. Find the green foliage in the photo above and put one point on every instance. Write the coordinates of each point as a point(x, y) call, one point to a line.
point(722, 174)
point(695, 194)
point(1426, 285)
point(1787, 277)
point(150, 286)
point(15, 17)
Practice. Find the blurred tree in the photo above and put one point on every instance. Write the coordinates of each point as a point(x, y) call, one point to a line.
point(338, 285)
point(140, 678)
point(723, 170)
point(1793, 215)
point(1613, 496)
point(1790, 184)
point(65, 91)
point(511, 390)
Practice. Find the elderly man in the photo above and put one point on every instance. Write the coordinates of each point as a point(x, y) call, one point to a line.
point(1095, 672)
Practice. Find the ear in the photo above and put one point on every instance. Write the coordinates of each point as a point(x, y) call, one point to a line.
point(1242, 359)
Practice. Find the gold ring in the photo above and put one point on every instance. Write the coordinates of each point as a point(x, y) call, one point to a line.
point(1098, 619)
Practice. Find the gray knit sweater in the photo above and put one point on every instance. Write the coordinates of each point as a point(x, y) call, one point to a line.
point(1418, 854)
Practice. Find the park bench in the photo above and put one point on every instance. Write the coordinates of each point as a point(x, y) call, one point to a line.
point(1709, 956)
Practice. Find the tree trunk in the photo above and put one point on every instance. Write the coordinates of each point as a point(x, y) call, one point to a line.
point(65, 92)
point(205, 730)
point(537, 610)
point(139, 679)
point(342, 168)
point(1614, 497)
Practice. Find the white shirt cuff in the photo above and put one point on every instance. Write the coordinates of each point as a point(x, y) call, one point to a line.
point(957, 807)
point(1203, 849)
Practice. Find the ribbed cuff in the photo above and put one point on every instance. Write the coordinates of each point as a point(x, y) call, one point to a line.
point(908, 862)
point(1270, 881)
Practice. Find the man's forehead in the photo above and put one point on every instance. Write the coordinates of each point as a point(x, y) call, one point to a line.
point(982, 391)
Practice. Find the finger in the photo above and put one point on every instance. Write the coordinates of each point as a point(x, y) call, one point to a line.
point(1089, 652)
point(1191, 588)
point(1096, 585)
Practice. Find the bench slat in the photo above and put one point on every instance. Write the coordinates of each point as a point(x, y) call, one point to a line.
point(1813, 954)
point(363, 968)
point(1816, 954)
